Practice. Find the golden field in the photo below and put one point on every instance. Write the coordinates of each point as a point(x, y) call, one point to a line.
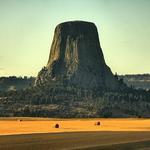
point(43, 125)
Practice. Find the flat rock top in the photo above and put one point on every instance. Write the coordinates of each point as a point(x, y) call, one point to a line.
point(77, 27)
point(76, 23)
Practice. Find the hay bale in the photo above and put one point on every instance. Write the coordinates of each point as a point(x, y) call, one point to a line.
point(98, 123)
point(19, 120)
point(56, 125)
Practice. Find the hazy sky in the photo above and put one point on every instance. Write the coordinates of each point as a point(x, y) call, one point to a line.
point(27, 28)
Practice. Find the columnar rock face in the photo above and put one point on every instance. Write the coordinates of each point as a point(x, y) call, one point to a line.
point(77, 58)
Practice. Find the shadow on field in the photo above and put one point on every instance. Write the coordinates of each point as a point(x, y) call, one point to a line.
point(77, 141)
point(144, 145)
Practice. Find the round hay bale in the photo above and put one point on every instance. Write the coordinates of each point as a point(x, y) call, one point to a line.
point(57, 125)
point(19, 120)
point(98, 123)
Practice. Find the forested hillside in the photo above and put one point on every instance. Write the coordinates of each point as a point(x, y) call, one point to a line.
point(138, 81)
point(13, 83)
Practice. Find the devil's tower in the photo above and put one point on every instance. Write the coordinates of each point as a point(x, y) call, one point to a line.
point(77, 58)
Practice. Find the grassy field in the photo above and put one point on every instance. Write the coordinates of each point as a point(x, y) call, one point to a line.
point(45, 125)
point(40, 134)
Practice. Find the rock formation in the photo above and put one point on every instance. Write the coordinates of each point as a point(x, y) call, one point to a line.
point(77, 58)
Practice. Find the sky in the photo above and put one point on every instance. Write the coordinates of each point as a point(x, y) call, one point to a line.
point(27, 29)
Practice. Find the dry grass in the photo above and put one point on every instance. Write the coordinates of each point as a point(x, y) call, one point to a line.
point(46, 125)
